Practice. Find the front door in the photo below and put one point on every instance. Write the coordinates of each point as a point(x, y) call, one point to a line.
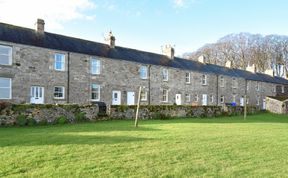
point(116, 97)
point(37, 95)
point(264, 104)
point(178, 99)
point(241, 101)
point(130, 98)
point(204, 100)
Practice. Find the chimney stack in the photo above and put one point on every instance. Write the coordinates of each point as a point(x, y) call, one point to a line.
point(269, 72)
point(169, 51)
point(228, 64)
point(40, 26)
point(251, 68)
point(111, 40)
point(202, 59)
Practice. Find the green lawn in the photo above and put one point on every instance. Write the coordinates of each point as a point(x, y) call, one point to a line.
point(222, 147)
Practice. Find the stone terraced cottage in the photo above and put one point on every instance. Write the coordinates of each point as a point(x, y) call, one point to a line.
point(41, 67)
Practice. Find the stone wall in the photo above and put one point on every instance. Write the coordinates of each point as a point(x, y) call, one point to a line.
point(275, 106)
point(26, 114)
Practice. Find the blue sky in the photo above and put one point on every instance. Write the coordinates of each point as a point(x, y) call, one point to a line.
point(149, 24)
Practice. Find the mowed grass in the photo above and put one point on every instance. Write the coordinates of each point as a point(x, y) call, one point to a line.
point(219, 147)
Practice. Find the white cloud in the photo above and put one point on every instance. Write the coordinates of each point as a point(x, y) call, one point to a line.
point(183, 3)
point(54, 12)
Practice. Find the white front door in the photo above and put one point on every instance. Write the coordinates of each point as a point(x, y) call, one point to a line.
point(130, 98)
point(37, 95)
point(264, 104)
point(204, 100)
point(178, 99)
point(116, 97)
point(241, 101)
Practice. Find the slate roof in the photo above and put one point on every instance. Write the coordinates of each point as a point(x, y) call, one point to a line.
point(15, 34)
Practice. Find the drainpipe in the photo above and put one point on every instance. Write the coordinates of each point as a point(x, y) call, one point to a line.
point(149, 85)
point(68, 78)
point(217, 90)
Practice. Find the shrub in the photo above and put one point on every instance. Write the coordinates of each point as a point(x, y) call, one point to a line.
point(31, 121)
point(80, 117)
point(61, 120)
point(21, 120)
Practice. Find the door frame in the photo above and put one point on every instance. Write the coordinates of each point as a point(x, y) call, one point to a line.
point(119, 97)
point(206, 103)
point(128, 97)
point(42, 92)
point(180, 99)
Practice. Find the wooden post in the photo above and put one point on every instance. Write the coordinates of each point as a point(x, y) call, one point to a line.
point(245, 106)
point(138, 105)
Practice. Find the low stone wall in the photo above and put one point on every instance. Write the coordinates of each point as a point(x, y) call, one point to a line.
point(174, 111)
point(27, 114)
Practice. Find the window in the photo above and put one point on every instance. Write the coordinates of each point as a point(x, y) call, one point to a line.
point(187, 98)
point(211, 99)
point(143, 96)
point(274, 88)
point(5, 88)
point(204, 79)
point(165, 95)
point(59, 62)
point(282, 89)
point(257, 86)
point(188, 77)
point(165, 74)
point(59, 92)
point(196, 98)
point(234, 82)
point(95, 92)
point(222, 99)
point(143, 72)
point(222, 84)
point(5, 55)
point(258, 100)
point(95, 66)
point(247, 86)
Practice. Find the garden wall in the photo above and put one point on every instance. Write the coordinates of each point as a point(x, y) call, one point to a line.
point(27, 114)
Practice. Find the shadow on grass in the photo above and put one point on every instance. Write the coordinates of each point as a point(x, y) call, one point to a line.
point(53, 139)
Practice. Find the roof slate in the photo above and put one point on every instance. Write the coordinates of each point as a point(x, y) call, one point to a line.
point(15, 34)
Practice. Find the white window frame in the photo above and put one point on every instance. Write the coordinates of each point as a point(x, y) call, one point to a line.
point(282, 89)
point(274, 89)
point(99, 90)
point(63, 89)
point(234, 98)
point(95, 66)
point(204, 79)
point(10, 88)
point(143, 96)
point(165, 75)
point(62, 61)
point(165, 95)
point(247, 86)
point(188, 78)
point(9, 54)
point(222, 99)
point(143, 71)
point(187, 98)
point(211, 98)
point(222, 81)
point(234, 82)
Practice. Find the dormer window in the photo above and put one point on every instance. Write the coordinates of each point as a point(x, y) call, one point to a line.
point(143, 72)
point(5, 55)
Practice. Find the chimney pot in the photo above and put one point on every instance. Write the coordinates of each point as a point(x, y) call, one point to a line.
point(111, 40)
point(169, 51)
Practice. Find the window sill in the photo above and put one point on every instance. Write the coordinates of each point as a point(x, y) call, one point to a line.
point(59, 98)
